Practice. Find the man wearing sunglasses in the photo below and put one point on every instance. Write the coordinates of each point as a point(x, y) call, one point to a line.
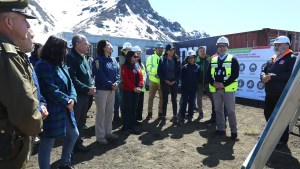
point(222, 75)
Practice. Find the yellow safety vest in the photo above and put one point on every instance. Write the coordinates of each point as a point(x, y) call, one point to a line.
point(152, 66)
point(227, 65)
point(144, 78)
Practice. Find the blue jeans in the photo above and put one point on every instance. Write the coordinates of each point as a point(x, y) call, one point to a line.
point(46, 145)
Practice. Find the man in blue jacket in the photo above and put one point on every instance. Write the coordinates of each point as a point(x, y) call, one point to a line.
point(190, 74)
point(81, 75)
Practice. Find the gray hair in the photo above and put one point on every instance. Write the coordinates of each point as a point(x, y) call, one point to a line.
point(77, 38)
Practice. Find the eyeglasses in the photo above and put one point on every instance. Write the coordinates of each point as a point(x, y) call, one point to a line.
point(222, 46)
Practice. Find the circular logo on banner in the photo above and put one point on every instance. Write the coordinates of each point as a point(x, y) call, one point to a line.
point(260, 85)
point(241, 83)
point(250, 84)
point(263, 66)
point(253, 67)
point(242, 67)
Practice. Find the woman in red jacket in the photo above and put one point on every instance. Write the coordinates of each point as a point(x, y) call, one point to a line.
point(132, 86)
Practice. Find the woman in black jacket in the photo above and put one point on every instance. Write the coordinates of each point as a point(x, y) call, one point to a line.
point(169, 73)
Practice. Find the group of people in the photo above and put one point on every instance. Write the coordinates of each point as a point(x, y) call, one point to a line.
point(50, 92)
point(216, 75)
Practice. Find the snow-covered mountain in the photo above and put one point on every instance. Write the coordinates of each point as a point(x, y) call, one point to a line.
point(121, 18)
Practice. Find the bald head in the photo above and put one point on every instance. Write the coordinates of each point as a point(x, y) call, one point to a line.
point(80, 44)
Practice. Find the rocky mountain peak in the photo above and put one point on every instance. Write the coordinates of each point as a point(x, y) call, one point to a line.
point(125, 18)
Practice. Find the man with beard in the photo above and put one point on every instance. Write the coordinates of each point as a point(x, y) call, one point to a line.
point(275, 76)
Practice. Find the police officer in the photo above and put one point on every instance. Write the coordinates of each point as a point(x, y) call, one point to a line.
point(154, 84)
point(222, 75)
point(275, 76)
point(19, 115)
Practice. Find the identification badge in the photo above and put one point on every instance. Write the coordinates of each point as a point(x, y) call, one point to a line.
point(281, 62)
point(219, 72)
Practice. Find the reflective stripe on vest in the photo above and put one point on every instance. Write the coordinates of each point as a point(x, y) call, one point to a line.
point(227, 65)
point(152, 66)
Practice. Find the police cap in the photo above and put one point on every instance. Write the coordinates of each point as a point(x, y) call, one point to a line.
point(19, 6)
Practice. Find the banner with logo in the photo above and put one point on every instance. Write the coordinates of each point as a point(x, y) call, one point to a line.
point(251, 61)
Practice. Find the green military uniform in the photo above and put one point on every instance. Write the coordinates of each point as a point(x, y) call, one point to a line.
point(19, 116)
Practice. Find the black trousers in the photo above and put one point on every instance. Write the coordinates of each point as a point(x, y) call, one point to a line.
point(270, 103)
point(129, 109)
point(188, 97)
point(165, 92)
point(140, 106)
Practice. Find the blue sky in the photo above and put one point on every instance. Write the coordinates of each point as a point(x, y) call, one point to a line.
point(218, 17)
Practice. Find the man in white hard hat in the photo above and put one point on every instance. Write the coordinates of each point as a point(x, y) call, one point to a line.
point(275, 76)
point(222, 75)
point(154, 82)
point(190, 75)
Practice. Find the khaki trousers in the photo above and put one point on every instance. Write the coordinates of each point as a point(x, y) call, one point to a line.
point(153, 88)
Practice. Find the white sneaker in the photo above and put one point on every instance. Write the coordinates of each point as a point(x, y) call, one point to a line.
point(36, 140)
point(102, 141)
point(111, 136)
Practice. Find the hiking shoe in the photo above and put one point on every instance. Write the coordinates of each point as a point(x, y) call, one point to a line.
point(66, 167)
point(190, 119)
point(180, 123)
point(81, 149)
point(210, 121)
point(174, 119)
point(36, 140)
point(133, 131)
point(234, 137)
point(85, 127)
point(138, 123)
point(220, 133)
point(281, 144)
point(200, 117)
point(111, 136)
point(149, 116)
point(116, 119)
point(163, 121)
point(102, 141)
point(160, 115)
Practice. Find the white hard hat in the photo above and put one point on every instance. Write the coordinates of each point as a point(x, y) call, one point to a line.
point(127, 46)
point(69, 44)
point(136, 49)
point(282, 39)
point(191, 53)
point(222, 39)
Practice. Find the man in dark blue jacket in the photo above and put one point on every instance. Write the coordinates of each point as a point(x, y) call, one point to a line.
point(81, 75)
point(190, 74)
point(275, 76)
